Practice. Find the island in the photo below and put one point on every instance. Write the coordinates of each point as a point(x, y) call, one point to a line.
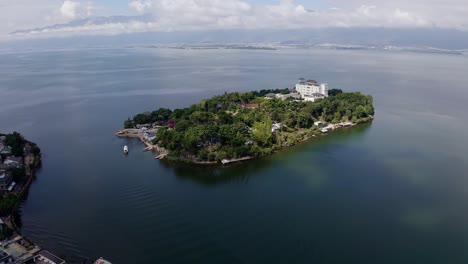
point(241, 126)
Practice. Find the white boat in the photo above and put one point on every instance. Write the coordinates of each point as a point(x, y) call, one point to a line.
point(102, 261)
point(324, 130)
point(125, 149)
point(225, 161)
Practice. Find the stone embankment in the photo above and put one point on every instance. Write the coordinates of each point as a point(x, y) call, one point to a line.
point(140, 134)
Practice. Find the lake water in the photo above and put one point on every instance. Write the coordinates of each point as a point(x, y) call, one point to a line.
point(394, 191)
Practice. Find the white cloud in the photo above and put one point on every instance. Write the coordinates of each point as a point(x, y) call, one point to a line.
point(140, 5)
point(72, 10)
point(179, 15)
point(366, 10)
point(69, 9)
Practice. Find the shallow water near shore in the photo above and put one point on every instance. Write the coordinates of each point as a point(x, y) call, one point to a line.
point(392, 191)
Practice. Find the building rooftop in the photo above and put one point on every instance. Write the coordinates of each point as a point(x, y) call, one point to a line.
point(49, 258)
point(6, 150)
point(315, 95)
point(3, 175)
point(5, 257)
point(251, 105)
point(18, 251)
point(14, 159)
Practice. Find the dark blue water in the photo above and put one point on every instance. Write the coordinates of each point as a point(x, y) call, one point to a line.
point(393, 191)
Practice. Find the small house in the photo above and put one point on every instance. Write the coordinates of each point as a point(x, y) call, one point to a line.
point(320, 124)
point(5, 181)
point(14, 162)
point(275, 127)
point(251, 106)
point(6, 150)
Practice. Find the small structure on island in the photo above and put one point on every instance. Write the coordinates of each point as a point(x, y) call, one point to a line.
point(171, 123)
point(320, 124)
point(143, 126)
point(14, 162)
point(5, 181)
point(251, 106)
point(46, 257)
point(310, 90)
point(276, 126)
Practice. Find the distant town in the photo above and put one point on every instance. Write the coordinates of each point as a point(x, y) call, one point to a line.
point(241, 126)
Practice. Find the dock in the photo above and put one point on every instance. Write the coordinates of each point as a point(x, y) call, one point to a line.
point(227, 161)
point(161, 156)
point(140, 134)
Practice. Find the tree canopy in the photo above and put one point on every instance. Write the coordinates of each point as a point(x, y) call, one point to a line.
point(16, 142)
point(224, 127)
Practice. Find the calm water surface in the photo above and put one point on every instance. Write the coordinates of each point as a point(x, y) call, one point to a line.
point(394, 191)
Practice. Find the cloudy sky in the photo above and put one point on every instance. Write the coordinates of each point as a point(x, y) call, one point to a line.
point(36, 18)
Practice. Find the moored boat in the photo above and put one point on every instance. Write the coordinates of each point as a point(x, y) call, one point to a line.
point(101, 261)
point(125, 149)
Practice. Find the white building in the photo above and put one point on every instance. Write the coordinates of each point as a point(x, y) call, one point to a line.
point(290, 95)
point(14, 162)
point(310, 90)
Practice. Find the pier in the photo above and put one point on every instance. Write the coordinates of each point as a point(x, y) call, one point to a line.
point(140, 134)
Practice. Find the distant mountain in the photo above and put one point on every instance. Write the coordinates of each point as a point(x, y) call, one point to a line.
point(431, 37)
point(89, 21)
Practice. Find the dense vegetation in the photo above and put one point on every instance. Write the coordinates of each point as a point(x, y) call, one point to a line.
point(222, 127)
point(335, 92)
point(8, 204)
point(16, 142)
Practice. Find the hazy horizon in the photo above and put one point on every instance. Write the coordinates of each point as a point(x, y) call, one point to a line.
point(100, 22)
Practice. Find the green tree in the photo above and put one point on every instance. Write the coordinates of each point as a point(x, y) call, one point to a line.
point(19, 174)
point(8, 204)
point(35, 150)
point(190, 140)
point(183, 125)
point(16, 142)
point(334, 92)
point(128, 123)
point(261, 132)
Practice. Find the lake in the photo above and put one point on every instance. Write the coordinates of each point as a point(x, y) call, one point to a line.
point(393, 191)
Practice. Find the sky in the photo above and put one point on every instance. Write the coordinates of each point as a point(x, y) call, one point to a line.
point(32, 19)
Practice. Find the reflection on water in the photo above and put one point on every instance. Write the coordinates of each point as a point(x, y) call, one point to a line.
point(241, 171)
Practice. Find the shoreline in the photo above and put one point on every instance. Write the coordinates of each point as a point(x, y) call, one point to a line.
point(130, 133)
point(163, 153)
point(14, 241)
point(31, 163)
